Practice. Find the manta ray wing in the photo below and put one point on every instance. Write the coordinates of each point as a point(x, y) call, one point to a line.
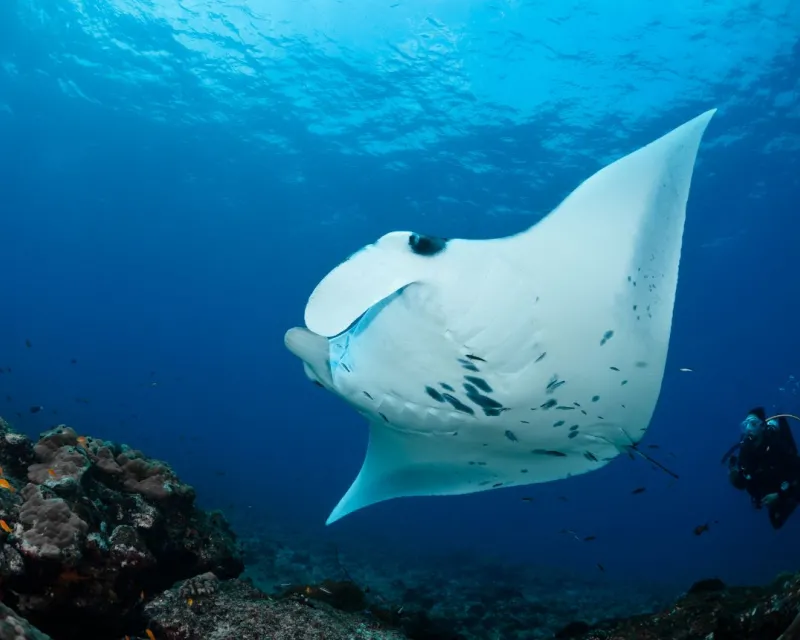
point(516, 360)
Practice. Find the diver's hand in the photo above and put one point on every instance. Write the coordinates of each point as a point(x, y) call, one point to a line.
point(769, 499)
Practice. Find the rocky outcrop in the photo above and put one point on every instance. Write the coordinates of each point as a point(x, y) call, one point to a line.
point(91, 530)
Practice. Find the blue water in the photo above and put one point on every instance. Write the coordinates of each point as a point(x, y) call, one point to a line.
point(176, 177)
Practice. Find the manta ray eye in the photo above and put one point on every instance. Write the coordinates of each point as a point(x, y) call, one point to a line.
point(426, 245)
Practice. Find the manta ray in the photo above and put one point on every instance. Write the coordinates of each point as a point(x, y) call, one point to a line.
point(481, 364)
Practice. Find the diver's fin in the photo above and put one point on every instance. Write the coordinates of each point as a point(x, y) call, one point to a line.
point(400, 464)
point(363, 280)
point(313, 350)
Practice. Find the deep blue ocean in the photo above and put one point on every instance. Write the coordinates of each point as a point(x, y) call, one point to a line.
point(177, 176)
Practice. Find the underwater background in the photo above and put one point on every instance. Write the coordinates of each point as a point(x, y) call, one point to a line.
point(176, 177)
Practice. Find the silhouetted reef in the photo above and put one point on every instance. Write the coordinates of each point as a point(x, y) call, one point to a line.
point(100, 542)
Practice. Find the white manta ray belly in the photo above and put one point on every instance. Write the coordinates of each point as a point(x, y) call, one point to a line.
point(531, 358)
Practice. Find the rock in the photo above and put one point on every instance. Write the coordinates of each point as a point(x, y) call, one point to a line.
point(96, 529)
point(234, 609)
point(713, 611)
point(12, 627)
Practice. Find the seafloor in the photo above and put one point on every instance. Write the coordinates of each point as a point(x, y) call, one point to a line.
point(100, 542)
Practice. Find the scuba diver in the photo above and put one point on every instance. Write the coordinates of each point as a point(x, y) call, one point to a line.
point(767, 465)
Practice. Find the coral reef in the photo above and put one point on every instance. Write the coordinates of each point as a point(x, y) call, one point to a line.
point(234, 609)
point(710, 610)
point(99, 542)
point(13, 627)
point(91, 529)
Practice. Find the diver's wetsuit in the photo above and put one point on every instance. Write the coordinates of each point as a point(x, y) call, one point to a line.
point(767, 465)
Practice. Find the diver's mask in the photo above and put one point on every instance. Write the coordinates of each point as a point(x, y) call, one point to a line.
point(752, 426)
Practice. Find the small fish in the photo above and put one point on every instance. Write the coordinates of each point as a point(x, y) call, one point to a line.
point(52, 472)
point(28, 344)
point(570, 532)
point(5, 484)
point(141, 596)
point(589, 538)
point(150, 634)
point(74, 361)
point(35, 409)
point(82, 441)
point(324, 590)
point(638, 490)
point(4, 526)
point(527, 499)
point(601, 567)
point(400, 610)
point(686, 370)
point(190, 602)
point(653, 446)
point(700, 529)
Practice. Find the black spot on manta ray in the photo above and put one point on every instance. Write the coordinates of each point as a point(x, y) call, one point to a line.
point(384, 417)
point(446, 386)
point(563, 408)
point(549, 404)
point(574, 427)
point(623, 383)
point(558, 423)
point(493, 413)
point(474, 357)
point(613, 368)
point(457, 404)
point(510, 435)
point(480, 383)
point(554, 384)
point(606, 337)
point(466, 364)
point(368, 395)
point(484, 402)
point(541, 357)
point(641, 364)
point(573, 434)
point(549, 452)
point(424, 245)
point(345, 367)
point(590, 456)
point(595, 398)
point(433, 393)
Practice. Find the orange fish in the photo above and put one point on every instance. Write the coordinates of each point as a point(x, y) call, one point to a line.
point(190, 602)
point(150, 634)
point(5, 484)
point(4, 526)
point(82, 441)
point(51, 472)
